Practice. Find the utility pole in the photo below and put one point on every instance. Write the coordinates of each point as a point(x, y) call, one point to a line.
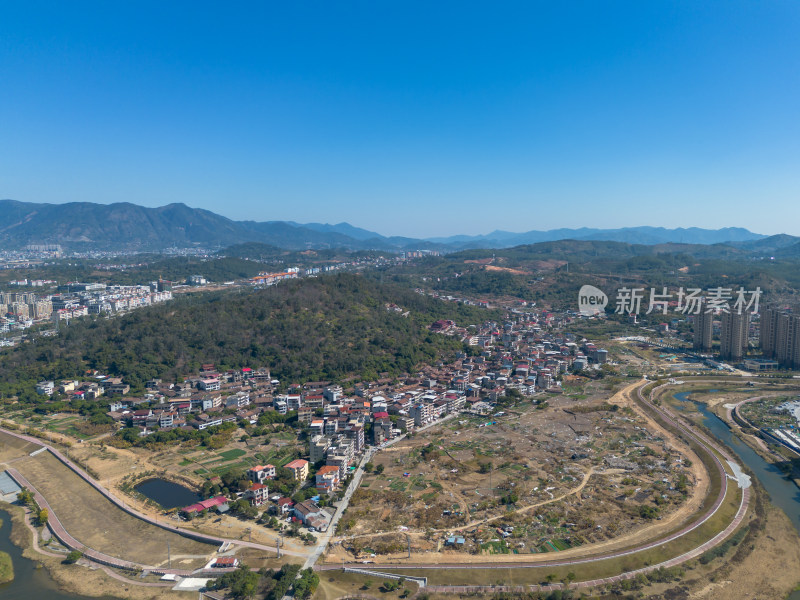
point(169, 556)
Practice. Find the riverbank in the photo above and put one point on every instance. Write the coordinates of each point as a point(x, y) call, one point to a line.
point(6, 567)
point(84, 580)
point(771, 565)
point(720, 403)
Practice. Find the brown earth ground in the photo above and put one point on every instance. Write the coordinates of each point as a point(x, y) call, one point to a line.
point(507, 270)
point(94, 521)
point(334, 585)
point(770, 571)
point(762, 574)
point(642, 535)
point(110, 465)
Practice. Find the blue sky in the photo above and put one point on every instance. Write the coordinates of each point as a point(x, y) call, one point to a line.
point(410, 118)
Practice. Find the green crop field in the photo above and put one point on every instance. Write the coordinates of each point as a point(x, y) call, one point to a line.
point(232, 454)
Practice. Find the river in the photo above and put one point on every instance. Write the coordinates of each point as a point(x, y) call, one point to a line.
point(782, 492)
point(29, 582)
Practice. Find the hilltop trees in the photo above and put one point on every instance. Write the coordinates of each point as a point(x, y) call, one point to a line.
point(326, 329)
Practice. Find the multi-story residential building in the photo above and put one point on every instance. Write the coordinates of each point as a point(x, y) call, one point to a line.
point(166, 419)
point(733, 335)
point(257, 494)
point(294, 401)
point(238, 400)
point(355, 432)
point(45, 388)
point(260, 473)
point(780, 336)
point(314, 401)
point(299, 469)
point(305, 414)
point(331, 426)
point(327, 479)
point(318, 447)
point(210, 385)
point(421, 413)
point(703, 329)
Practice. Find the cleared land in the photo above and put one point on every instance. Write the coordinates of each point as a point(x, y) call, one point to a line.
point(93, 520)
point(582, 476)
point(12, 448)
point(111, 466)
point(334, 585)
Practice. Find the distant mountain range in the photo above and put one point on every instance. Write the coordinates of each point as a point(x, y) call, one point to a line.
point(630, 235)
point(84, 225)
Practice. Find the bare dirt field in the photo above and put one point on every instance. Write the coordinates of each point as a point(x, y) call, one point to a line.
point(13, 448)
point(93, 520)
point(525, 482)
point(506, 270)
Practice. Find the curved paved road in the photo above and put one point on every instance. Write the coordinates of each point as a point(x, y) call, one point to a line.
point(700, 439)
point(218, 541)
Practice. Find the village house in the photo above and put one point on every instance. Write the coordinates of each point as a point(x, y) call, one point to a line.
point(217, 502)
point(284, 505)
point(311, 515)
point(299, 469)
point(261, 473)
point(209, 385)
point(327, 479)
point(257, 494)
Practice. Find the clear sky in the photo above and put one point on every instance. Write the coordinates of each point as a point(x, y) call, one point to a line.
point(410, 118)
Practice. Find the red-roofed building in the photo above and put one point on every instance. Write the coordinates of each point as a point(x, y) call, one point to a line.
point(285, 505)
point(226, 562)
point(257, 494)
point(327, 479)
point(260, 473)
point(204, 505)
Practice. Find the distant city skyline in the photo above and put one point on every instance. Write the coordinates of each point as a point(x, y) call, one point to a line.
point(416, 120)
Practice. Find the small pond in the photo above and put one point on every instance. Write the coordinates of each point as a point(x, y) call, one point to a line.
point(168, 494)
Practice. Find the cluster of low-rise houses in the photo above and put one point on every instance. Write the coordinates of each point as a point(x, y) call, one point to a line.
point(519, 354)
point(523, 353)
point(206, 400)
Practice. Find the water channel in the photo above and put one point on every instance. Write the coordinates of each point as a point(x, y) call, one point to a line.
point(782, 492)
point(29, 582)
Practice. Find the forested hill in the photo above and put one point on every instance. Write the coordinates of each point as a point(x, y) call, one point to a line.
point(311, 329)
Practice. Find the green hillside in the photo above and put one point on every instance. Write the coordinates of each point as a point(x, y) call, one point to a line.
point(313, 329)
